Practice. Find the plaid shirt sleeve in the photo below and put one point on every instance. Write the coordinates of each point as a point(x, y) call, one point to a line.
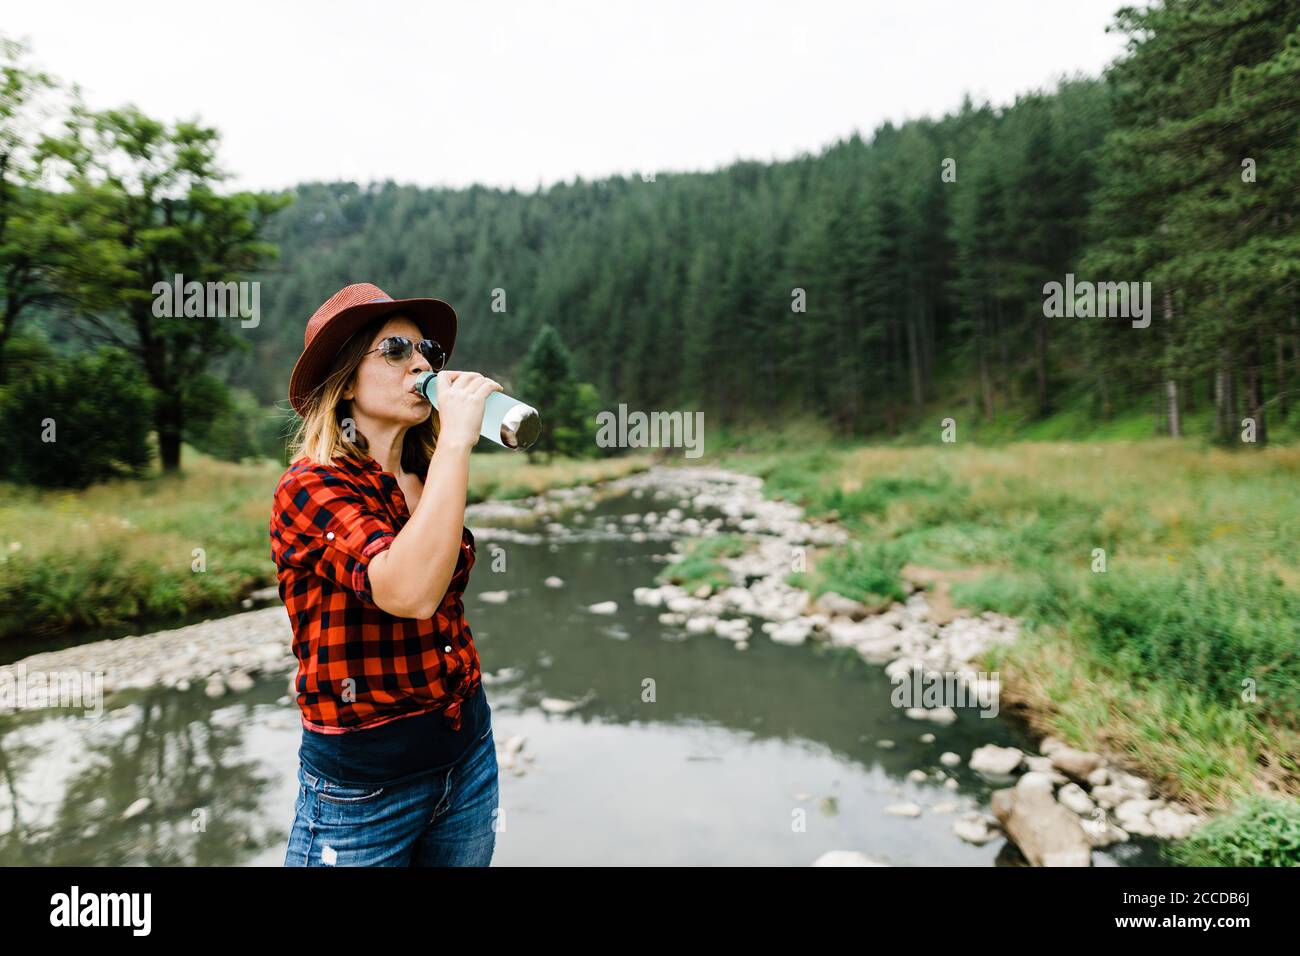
point(326, 525)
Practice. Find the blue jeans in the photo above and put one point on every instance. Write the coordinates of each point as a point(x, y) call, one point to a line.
point(442, 817)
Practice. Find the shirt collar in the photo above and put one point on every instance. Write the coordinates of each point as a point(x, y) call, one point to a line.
point(361, 463)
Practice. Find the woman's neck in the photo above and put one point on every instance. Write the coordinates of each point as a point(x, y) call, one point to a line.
point(385, 442)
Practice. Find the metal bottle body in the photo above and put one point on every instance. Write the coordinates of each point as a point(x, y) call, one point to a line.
point(507, 421)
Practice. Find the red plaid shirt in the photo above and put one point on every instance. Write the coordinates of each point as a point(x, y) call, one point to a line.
point(358, 665)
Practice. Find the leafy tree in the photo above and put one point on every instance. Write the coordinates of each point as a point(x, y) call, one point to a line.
point(546, 379)
point(70, 423)
point(149, 204)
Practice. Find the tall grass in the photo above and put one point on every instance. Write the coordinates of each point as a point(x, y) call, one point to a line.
point(128, 550)
point(1182, 655)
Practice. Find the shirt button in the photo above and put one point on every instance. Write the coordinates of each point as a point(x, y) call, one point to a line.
point(447, 648)
point(329, 536)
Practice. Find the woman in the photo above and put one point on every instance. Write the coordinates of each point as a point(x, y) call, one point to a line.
point(397, 765)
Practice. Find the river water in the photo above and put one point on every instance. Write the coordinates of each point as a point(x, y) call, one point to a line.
point(767, 755)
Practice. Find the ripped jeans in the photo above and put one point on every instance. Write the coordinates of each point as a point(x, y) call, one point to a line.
point(441, 817)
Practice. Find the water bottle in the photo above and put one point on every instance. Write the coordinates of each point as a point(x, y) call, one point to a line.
point(506, 421)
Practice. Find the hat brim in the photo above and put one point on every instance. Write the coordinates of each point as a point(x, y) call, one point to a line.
point(436, 320)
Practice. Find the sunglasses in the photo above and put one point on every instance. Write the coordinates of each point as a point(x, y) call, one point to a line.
point(397, 350)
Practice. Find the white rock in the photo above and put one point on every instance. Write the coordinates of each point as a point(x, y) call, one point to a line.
point(845, 858)
point(973, 831)
point(1135, 786)
point(795, 631)
point(1073, 797)
point(1101, 833)
point(137, 808)
point(555, 705)
point(999, 761)
point(903, 809)
point(949, 759)
point(494, 597)
point(1133, 815)
point(1171, 824)
point(938, 715)
point(554, 582)
point(603, 607)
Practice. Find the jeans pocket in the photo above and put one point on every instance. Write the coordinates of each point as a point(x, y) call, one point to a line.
point(331, 791)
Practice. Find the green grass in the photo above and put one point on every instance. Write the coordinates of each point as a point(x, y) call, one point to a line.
point(126, 551)
point(1181, 657)
point(1262, 831)
point(701, 562)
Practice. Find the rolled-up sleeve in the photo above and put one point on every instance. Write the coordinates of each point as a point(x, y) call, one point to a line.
point(326, 526)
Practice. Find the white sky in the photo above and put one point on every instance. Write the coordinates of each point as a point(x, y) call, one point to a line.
point(519, 94)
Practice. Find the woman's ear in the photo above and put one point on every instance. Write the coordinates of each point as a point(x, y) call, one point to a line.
point(350, 389)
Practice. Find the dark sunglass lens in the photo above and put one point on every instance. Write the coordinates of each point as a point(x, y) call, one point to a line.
point(396, 347)
point(432, 351)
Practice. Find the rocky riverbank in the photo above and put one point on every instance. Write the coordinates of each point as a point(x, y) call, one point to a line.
point(1056, 806)
point(1060, 803)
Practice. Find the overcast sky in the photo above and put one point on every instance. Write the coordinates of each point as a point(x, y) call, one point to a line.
point(522, 94)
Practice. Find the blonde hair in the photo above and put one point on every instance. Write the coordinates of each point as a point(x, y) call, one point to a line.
point(320, 435)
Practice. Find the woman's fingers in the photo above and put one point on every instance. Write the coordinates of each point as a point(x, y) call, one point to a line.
point(474, 382)
point(463, 379)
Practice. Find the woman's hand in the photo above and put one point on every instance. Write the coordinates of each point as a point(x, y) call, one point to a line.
point(461, 399)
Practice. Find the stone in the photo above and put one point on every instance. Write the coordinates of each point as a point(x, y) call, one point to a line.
point(1049, 744)
point(995, 760)
point(973, 831)
point(949, 759)
point(906, 809)
point(1134, 815)
point(554, 705)
point(1101, 833)
point(136, 808)
point(845, 858)
point(795, 631)
point(1074, 763)
point(1045, 832)
point(603, 607)
point(1073, 797)
point(1172, 824)
point(834, 603)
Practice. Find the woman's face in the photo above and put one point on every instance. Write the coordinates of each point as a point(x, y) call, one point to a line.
point(382, 391)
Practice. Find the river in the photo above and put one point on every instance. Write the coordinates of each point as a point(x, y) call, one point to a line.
point(767, 753)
